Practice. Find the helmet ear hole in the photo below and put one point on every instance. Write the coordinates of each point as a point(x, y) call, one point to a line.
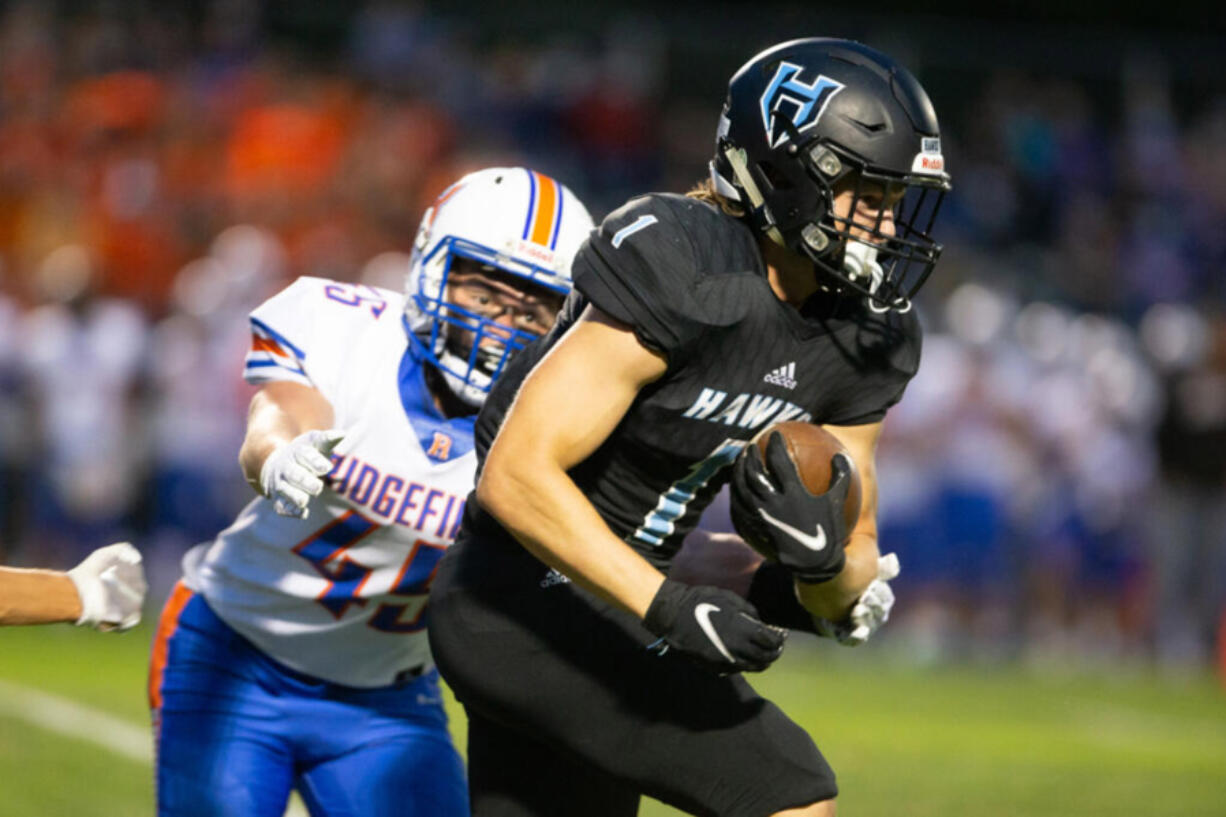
point(777, 180)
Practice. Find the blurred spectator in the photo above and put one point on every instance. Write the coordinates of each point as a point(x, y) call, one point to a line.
point(1189, 512)
point(1054, 479)
point(15, 456)
point(198, 403)
point(81, 358)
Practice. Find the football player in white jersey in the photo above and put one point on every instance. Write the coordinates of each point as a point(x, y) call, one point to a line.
point(293, 654)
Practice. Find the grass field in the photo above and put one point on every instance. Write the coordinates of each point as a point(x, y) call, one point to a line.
point(905, 741)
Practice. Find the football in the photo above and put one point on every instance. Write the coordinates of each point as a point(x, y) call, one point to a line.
point(811, 448)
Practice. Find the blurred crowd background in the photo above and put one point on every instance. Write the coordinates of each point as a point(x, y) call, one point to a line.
point(1055, 479)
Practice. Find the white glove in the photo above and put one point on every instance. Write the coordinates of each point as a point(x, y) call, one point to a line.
point(111, 584)
point(871, 610)
point(292, 473)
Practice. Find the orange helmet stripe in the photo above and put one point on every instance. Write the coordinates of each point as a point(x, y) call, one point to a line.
point(547, 209)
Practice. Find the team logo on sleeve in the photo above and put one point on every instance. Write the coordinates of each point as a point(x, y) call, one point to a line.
point(789, 98)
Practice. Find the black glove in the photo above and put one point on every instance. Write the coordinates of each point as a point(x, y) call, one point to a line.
point(716, 628)
point(772, 590)
point(774, 512)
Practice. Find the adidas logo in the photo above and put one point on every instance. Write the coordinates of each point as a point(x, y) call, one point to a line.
point(554, 577)
point(783, 376)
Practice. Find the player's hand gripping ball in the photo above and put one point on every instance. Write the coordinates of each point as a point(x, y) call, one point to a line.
point(795, 499)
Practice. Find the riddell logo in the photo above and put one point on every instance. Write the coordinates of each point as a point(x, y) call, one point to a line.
point(929, 160)
point(783, 376)
point(536, 252)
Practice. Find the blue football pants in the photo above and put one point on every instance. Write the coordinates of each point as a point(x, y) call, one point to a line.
point(236, 731)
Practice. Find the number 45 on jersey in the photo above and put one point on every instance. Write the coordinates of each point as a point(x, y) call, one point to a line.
point(327, 550)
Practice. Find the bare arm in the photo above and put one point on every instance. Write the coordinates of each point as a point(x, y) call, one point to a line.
point(279, 412)
point(37, 597)
point(105, 591)
point(565, 409)
point(833, 599)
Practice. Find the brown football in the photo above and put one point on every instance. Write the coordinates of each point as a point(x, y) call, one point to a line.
point(811, 448)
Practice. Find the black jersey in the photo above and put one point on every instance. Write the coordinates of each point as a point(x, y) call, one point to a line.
point(692, 282)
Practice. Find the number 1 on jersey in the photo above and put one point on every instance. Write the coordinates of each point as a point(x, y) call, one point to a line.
point(674, 502)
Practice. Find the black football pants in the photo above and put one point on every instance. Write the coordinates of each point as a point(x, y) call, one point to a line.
point(571, 715)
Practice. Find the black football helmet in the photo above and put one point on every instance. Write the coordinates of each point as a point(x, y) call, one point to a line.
point(809, 119)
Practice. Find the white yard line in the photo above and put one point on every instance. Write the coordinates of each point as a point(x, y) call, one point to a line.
point(66, 717)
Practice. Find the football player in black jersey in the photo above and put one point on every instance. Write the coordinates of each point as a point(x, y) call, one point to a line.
point(781, 290)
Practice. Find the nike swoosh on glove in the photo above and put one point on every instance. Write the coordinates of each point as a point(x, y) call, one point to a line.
point(714, 627)
point(294, 471)
point(777, 515)
point(870, 611)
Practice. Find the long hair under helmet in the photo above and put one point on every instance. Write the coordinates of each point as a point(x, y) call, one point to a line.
point(514, 220)
point(807, 116)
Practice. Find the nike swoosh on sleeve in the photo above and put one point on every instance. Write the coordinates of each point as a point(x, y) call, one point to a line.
point(814, 542)
point(703, 612)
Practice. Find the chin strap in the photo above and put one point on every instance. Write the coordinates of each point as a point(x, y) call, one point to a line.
point(740, 169)
point(463, 389)
point(860, 264)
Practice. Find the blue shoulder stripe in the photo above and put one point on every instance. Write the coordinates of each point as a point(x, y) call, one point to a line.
point(263, 364)
point(252, 366)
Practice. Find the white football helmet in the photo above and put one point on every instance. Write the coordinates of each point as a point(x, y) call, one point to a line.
point(513, 219)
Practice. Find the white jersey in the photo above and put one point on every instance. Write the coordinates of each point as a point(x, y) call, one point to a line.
point(341, 595)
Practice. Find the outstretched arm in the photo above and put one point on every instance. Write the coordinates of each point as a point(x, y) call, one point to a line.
point(37, 597)
point(106, 591)
point(289, 437)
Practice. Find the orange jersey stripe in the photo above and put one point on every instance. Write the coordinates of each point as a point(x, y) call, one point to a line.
point(167, 624)
point(546, 209)
point(259, 344)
